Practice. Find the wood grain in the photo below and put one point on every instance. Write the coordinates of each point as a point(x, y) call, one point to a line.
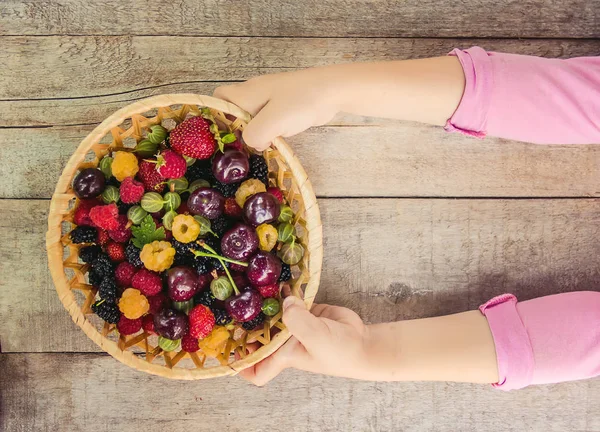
point(388, 259)
point(414, 18)
point(48, 67)
point(78, 393)
point(348, 161)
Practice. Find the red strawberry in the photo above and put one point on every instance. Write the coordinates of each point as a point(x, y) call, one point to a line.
point(276, 192)
point(202, 321)
point(116, 251)
point(131, 191)
point(189, 344)
point(171, 165)
point(150, 177)
point(148, 323)
point(232, 209)
point(269, 290)
point(105, 217)
point(193, 138)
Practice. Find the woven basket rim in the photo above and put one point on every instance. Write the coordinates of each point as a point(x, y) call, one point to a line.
point(58, 209)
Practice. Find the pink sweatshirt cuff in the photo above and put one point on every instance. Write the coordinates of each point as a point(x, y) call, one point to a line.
point(545, 340)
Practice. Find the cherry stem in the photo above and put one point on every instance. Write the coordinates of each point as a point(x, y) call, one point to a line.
point(221, 260)
point(219, 257)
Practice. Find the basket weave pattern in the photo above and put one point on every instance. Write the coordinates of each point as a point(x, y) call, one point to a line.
point(122, 130)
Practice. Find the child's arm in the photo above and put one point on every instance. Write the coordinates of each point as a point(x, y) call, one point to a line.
point(519, 97)
point(550, 339)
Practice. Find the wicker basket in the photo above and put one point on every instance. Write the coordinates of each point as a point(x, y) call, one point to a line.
point(123, 129)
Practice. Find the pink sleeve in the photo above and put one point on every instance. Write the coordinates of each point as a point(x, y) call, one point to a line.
point(545, 340)
point(533, 99)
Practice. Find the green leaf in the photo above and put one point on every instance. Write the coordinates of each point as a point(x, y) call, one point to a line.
point(146, 232)
point(229, 138)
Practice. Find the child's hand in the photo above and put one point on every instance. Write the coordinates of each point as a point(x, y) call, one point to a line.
point(328, 340)
point(283, 104)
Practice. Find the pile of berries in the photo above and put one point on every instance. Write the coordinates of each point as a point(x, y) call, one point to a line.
point(184, 237)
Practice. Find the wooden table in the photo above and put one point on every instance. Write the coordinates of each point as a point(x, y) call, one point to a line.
point(417, 222)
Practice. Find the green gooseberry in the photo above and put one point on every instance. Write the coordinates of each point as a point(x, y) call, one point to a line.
point(291, 253)
point(271, 306)
point(189, 161)
point(136, 214)
point(157, 134)
point(110, 195)
point(168, 345)
point(152, 202)
point(285, 232)
point(106, 166)
point(179, 185)
point(184, 306)
point(204, 223)
point(168, 218)
point(286, 214)
point(146, 148)
point(172, 201)
point(197, 184)
point(221, 288)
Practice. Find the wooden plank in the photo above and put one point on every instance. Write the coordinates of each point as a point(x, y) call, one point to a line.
point(59, 392)
point(413, 18)
point(348, 161)
point(388, 259)
point(68, 67)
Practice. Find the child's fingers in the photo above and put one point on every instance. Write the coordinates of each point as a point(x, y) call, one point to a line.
point(267, 369)
point(245, 95)
point(268, 124)
point(302, 324)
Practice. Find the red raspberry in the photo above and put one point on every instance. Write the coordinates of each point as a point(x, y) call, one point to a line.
point(103, 237)
point(82, 212)
point(128, 326)
point(232, 209)
point(269, 290)
point(105, 216)
point(149, 283)
point(157, 302)
point(171, 165)
point(189, 344)
point(202, 321)
point(276, 192)
point(122, 233)
point(131, 191)
point(148, 323)
point(115, 251)
point(124, 274)
point(150, 177)
point(183, 208)
point(237, 144)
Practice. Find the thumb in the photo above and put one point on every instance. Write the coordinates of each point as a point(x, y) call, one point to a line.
point(269, 123)
point(307, 328)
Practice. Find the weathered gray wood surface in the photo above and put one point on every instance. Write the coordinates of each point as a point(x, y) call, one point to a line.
point(65, 65)
point(388, 259)
point(90, 392)
point(415, 18)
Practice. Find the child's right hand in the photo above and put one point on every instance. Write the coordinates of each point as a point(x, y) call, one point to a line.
point(282, 104)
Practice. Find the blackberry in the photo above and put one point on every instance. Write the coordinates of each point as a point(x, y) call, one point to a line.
point(167, 140)
point(201, 169)
point(222, 317)
point(252, 324)
point(108, 289)
point(89, 253)
point(112, 181)
point(220, 225)
point(132, 254)
point(103, 265)
point(183, 256)
point(84, 234)
point(227, 190)
point(124, 208)
point(202, 265)
point(259, 169)
point(216, 264)
point(95, 278)
point(286, 273)
point(205, 298)
point(108, 311)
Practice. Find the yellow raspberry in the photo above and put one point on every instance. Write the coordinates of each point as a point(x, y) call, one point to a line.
point(133, 304)
point(267, 237)
point(124, 165)
point(185, 228)
point(247, 189)
point(213, 344)
point(157, 256)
